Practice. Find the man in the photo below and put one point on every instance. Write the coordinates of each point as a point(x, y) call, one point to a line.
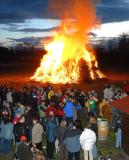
point(60, 136)
point(68, 110)
point(71, 141)
point(106, 91)
point(51, 134)
point(37, 132)
point(91, 104)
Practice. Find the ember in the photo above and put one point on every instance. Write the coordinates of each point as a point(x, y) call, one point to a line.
point(67, 48)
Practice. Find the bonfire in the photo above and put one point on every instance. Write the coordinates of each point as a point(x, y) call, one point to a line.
point(67, 48)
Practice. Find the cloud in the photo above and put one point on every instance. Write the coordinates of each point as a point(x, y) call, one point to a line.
point(115, 29)
point(1, 44)
point(31, 30)
point(19, 16)
point(36, 41)
point(113, 10)
point(17, 11)
point(30, 40)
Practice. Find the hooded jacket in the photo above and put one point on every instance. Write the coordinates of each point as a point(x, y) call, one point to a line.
point(71, 140)
point(87, 139)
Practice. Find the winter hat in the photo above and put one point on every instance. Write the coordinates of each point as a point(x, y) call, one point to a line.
point(23, 139)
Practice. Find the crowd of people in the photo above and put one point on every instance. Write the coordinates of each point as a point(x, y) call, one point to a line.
point(31, 113)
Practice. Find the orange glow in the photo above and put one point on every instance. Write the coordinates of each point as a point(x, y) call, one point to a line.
point(67, 48)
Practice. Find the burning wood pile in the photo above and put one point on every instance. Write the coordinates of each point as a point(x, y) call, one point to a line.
point(67, 49)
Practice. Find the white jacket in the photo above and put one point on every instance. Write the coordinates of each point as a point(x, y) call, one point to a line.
point(87, 139)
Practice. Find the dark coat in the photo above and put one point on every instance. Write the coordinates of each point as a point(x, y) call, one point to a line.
point(71, 140)
point(24, 152)
point(60, 133)
point(19, 130)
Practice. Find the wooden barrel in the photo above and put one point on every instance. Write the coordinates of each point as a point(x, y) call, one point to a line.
point(103, 130)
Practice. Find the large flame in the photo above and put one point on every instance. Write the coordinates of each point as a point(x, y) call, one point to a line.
point(68, 47)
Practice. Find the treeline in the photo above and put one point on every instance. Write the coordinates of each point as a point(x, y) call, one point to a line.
point(20, 55)
point(115, 55)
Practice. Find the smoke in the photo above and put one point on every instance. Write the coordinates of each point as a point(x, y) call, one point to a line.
point(78, 16)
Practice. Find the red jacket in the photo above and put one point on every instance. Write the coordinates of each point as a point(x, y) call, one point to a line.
point(60, 112)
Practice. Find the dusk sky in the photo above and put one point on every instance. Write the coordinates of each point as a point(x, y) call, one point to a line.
point(31, 20)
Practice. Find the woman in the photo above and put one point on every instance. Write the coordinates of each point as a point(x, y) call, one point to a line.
point(87, 140)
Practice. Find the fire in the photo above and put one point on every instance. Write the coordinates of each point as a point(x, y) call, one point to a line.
point(61, 64)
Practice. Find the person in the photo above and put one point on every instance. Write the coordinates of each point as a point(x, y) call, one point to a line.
point(101, 105)
point(94, 127)
point(106, 91)
point(60, 136)
point(7, 136)
point(37, 132)
point(20, 130)
point(50, 94)
point(110, 93)
point(87, 140)
point(107, 113)
point(91, 104)
point(76, 108)
point(71, 142)
point(23, 150)
point(9, 96)
point(50, 108)
point(94, 93)
point(68, 110)
point(29, 114)
point(16, 117)
point(42, 108)
point(78, 124)
point(51, 134)
point(35, 100)
point(118, 133)
point(54, 99)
